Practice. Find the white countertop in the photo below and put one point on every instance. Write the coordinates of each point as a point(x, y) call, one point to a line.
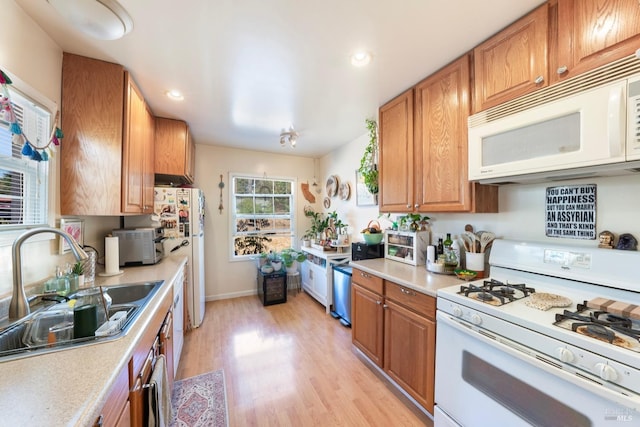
point(70, 387)
point(414, 277)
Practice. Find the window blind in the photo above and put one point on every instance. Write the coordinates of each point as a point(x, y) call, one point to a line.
point(23, 182)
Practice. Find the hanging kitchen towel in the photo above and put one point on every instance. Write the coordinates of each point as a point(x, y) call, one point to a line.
point(160, 412)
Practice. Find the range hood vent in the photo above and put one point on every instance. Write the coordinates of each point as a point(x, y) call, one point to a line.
point(610, 169)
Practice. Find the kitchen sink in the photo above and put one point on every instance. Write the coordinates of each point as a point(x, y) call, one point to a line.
point(27, 336)
point(130, 293)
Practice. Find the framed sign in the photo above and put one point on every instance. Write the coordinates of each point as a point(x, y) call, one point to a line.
point(571, 211)
point(363, 196)
point(73, 226)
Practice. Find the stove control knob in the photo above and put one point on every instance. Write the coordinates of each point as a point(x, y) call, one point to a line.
point(457, 311)
point(606, 372)
point(476, 319)
point(565, 354)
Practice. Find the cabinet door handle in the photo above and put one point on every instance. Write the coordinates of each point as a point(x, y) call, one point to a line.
point(378, 302)
point(100, 421)
point(365, 275)
point(407, 292)
point(408, 206)
point(562, 70)
point(385, 306)
point(539, 80)
point(416, 206)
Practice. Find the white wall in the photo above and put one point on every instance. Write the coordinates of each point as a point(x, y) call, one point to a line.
point(522, 207)
point(344, 162)
point(27, 52)
point(225, 278)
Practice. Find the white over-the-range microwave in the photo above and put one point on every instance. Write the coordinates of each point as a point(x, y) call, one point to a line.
point(589, 128)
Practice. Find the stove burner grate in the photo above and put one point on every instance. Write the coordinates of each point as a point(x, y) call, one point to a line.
point(496, 292)
point(600, 325)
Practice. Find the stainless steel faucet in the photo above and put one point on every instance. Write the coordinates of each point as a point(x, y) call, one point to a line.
point(19, 304)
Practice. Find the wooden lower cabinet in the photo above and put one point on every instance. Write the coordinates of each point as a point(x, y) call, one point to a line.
point(367, 322)
point(396, 330)
point(409, 352)
point(116, 409)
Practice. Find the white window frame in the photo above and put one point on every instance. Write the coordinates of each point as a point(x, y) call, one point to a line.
point(232, 210)
point(39, 176)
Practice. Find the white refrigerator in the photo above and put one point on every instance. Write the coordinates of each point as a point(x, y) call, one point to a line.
point(181, 214)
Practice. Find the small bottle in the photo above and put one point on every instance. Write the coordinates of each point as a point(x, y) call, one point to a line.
point(455, 248)
point(440, 247)
point(449, 255)
point(448, 242)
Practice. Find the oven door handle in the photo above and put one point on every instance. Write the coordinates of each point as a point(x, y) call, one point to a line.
point(610, 391)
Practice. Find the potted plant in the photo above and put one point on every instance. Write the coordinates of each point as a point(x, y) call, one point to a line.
point(368, 168)
point(336, 226)
point(291, 258)
point(418, 222)
point(78, 272)
point(318, 223)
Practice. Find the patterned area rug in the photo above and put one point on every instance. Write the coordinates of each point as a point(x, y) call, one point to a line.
point(200, 401)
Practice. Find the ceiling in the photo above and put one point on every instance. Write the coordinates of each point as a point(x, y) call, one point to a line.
point(249, 68)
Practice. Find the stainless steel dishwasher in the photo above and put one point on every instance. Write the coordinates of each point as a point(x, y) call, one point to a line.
point(342, 294)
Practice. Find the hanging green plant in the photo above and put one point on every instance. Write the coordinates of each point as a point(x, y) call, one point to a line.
point(368, 168)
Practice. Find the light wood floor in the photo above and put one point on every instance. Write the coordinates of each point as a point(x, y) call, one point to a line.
point(291, 365)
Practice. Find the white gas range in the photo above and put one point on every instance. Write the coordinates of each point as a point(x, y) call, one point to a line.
point(502, 360)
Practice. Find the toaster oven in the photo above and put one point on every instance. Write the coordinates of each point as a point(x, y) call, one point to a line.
point(140, 246)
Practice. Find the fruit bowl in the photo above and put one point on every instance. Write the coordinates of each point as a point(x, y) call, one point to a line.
point(372, 238)
point(466, 274)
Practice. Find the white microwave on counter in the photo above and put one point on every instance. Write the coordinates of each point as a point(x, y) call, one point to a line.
point(593, 131)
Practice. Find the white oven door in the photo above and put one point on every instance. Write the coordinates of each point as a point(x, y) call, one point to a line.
point(482, 382)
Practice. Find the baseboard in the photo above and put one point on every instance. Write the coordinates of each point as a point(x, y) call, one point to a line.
point(231, 295)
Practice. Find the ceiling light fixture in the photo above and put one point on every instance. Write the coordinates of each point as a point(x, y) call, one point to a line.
point(290, 136)
point(361, 58)
point(101, 19)
point(174, 95)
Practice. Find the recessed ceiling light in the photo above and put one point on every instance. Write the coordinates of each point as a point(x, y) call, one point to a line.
point(174, 95)
point(101, 19)
point(360, 59)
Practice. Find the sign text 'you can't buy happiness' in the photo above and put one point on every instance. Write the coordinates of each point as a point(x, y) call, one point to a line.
point(571, 211)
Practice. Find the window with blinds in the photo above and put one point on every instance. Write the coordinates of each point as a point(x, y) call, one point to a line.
point(24, 183)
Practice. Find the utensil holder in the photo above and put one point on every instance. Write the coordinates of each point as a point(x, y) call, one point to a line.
point(475, 262)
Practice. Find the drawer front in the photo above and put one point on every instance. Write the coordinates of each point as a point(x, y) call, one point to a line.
point(366, 280)
point(419, 302)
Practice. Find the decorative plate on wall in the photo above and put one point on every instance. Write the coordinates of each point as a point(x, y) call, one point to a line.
point(344, 191)
point(327, 203)
point(332, 185)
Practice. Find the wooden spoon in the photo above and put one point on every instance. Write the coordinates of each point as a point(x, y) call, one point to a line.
point(472, 239)
point(486, 238)
point(468, 243)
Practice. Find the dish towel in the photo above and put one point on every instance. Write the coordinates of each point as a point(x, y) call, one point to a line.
point(160, 412)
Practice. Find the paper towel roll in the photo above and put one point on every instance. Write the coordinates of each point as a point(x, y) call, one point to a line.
point(431, 254)
point(111, 255)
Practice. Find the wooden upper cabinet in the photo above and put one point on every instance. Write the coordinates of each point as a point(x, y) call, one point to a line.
point(149, 178)
point(133, 148)
point(513, 62)
point(594, 33)
point(423, 148)
point(440, 145)
point(102, 157)
point(395, 127)
point(175, 152)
